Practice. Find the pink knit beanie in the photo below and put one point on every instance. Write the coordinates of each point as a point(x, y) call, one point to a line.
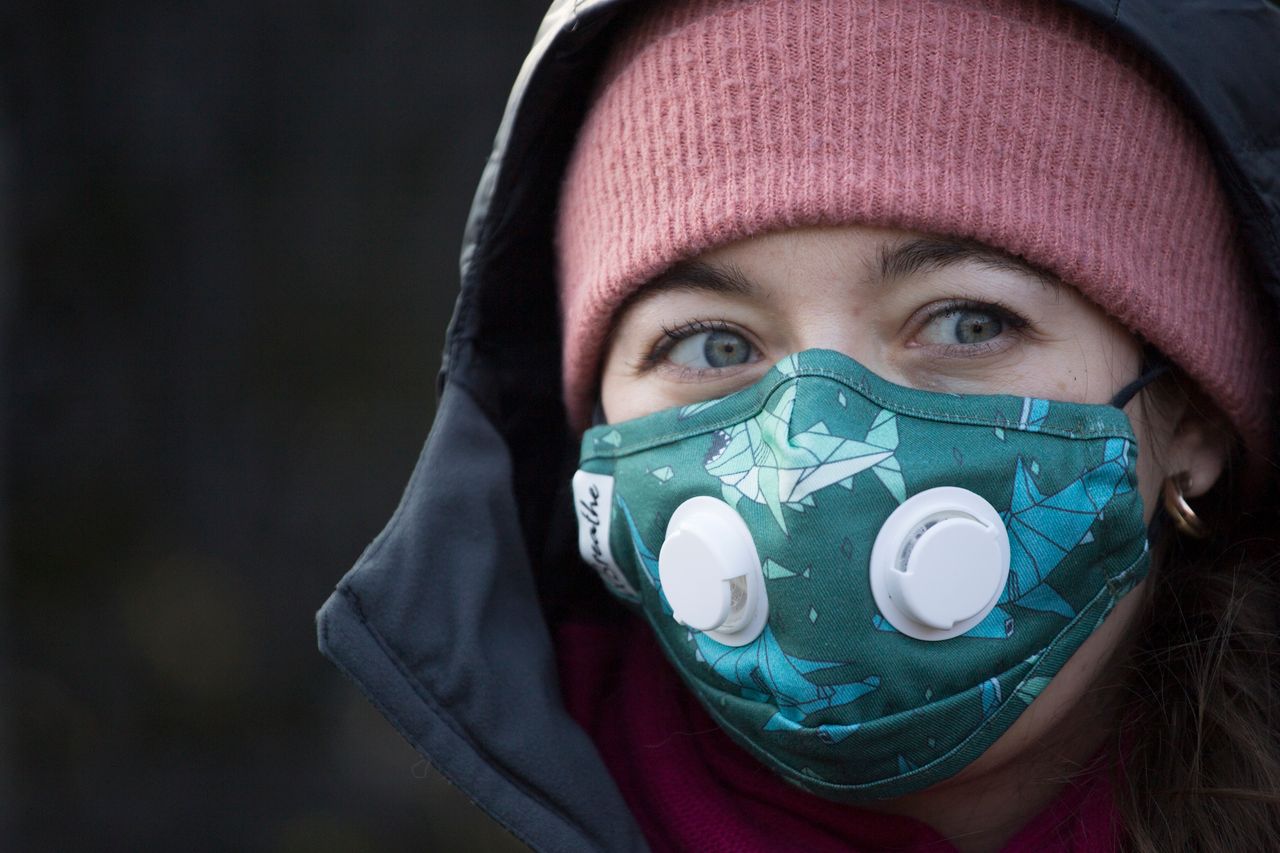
point(1012, 122)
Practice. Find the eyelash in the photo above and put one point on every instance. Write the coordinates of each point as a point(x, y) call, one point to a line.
point(672, 335)
point(1012, 321)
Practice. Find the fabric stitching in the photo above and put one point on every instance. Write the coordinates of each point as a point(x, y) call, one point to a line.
point(753, 406)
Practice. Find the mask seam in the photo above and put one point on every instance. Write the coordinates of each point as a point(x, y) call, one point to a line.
point(1084, 432)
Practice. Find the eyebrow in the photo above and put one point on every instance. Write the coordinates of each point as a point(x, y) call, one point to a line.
point(930, 254)
point(684, 276)
point(893, 263)
point(724, 279)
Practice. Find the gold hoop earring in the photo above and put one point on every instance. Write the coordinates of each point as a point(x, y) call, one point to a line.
point(1184, 517)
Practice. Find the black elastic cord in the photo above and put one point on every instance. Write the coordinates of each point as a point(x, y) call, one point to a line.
point(1128, 392)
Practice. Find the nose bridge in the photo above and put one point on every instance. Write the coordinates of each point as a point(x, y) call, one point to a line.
point(838, 323)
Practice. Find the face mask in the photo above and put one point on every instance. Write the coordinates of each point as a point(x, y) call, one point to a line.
point(865, 584)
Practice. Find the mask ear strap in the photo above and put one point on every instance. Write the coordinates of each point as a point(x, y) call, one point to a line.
point(1128, 392)
point(1157, 366)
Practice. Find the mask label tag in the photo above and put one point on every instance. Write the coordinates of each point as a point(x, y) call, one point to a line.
point(593, 504)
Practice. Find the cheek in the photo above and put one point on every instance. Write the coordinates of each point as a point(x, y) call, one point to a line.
point(617, 394)
point(626, 396)
point(624, 401)
point(623, 394)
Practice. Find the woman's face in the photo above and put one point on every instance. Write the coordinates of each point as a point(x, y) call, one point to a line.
point(920, 311)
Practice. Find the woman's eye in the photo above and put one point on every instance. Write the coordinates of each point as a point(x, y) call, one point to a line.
point(963, 326)
point(714, 349)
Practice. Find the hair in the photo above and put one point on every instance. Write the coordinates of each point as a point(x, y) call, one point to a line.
point(1198, 745)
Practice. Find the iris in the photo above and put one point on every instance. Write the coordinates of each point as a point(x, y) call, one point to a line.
point(725, 349)
point(975, 327)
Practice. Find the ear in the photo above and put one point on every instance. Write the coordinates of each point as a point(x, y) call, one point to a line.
point(1199, 446)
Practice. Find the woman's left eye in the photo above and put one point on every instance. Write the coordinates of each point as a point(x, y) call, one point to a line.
point(710, 350)
point(966, 325)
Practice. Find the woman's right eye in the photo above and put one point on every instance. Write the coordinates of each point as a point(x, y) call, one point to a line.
point(710, 350)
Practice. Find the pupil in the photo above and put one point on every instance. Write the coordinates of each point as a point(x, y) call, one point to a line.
point(724, 349)
point(973, 327)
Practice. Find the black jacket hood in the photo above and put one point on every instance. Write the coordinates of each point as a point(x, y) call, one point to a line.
point(443, 621)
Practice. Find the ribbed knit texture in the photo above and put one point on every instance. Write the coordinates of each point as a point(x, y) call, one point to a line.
point(1011, 122)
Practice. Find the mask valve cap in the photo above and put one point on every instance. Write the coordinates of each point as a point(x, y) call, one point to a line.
point(710, 572)
point(939, 563)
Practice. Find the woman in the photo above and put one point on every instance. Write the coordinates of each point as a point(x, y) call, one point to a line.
point(1014, 284)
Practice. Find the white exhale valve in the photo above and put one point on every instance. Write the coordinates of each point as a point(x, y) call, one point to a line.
point(710, 572)
point(939, 563)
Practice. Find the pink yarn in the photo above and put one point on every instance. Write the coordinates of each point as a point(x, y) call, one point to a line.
point(1011, 122)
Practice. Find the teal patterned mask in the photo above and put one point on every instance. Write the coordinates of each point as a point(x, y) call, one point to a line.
point(865, 584)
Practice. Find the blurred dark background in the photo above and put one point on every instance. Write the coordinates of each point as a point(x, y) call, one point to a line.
point(228, 243)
